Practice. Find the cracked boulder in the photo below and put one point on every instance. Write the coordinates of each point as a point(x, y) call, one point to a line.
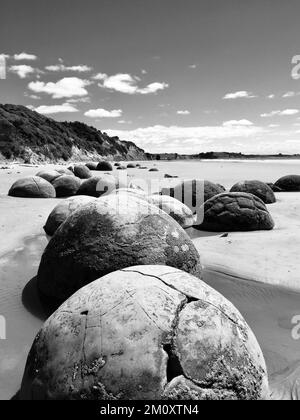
point(258, 188)
point(66, 185)
point(234, 212)
point(111, 233)
point(100, 185)
point(174, 208)
point(32, 187)
point(145, 333)
point(48, 175)
point(192, 192)
point(81, 171)
point(62, 211)
point(289, 183)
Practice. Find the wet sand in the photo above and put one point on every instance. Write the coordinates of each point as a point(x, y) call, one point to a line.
point(250, 269)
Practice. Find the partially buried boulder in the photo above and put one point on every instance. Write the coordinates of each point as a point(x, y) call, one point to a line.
point(92, 166)
point(234, 212)
point(131, 166)
point(258, 188)
point(48, 175)
point(104, 166)
point(100, 185)
point(66, 185)
point(146, 333)
point(32, 187)
point(62, 211)
point(192, 192)
point(112, 233)
point(289, 183)
point(82, 171)
point(174, 208)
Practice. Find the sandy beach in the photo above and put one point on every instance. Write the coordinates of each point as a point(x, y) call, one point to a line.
point(257, 271)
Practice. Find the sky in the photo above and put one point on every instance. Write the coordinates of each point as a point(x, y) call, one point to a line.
point(185, 76)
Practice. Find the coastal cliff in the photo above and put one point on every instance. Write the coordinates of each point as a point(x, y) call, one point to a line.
point(29, 137)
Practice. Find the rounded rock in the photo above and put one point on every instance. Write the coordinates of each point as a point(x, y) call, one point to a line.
point(174, 208)
point(66, 185)
point(48, 175)
point(104, 166)
point(146, 333)
point(82, 172)
point(234, 212)
point(257, 188)
point(112, 233)
point(100, 185)
point(65, 171)
point(92, 166)
point(32, 187)
point(289, 183)
point(62, 211)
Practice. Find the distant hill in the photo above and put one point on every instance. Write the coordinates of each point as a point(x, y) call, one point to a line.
point(30, 137)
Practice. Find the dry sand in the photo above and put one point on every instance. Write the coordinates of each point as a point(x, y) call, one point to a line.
point(257, 271)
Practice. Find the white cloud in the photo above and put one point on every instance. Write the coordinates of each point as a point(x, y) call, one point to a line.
point(103, 113)
point(81, 68)
point(274, 125)
point(238, 123)
point(143, 71)
point(54, 109)
point(183, 112)
point(67, 87)
point(193, 66)
point(291, 94)
point(25, 57)
point(126, 83)
point(84, 100)
point(285, 112)
point(242, 94)
point(272, 96)
point(22, 70)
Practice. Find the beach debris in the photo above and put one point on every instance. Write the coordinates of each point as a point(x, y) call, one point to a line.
point(289, 183)
point(174, 208)
point(66, 185)
point(234, 212)
point(32, 187)
point(112, 233)
point(62, 211)
point(146, 332)
point(104, 166)
point(258, 188)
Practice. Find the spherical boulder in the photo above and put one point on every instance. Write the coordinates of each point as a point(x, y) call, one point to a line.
point(192, 192)
point(111, 233)
point(131, 166)
point(104, 166)
point(62, 211)
point(234, 212)
point(100, 185)
point(117, 164)
point(154, 170)
point(82, 172)
point(121, 168)
point(174, 208)
point(65, 171)
point(92, 166)
point(145, 333)
point(66, 185)
point(258, 188)
point(289, 183)
point(32, 187)
point(48, 174)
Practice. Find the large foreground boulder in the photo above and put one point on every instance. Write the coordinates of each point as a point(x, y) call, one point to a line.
point(289, 183)
point(112, 233)
point(32, 187)
point(66, 185)
point(146, 333)
point(82, 172)
point(62, 211)
point(104, 166)
point(234, 212)
point(174, 208)
point(192, 192)
point(258, 188)
point(101, 185)
point(48, 174)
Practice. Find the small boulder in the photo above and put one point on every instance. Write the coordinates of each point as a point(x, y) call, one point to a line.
point(109, 234)
point(258, 188)
point(62, 211)
point(174, 208)
point(131, 166)
point(82, 172)
point(232, 212)
point(48, 174)
point(66, 185)
point(121, 168)
point(146, 333)
point(104, 166)
point(289, 183)
point(92, 166)
point(154, 170)
point(32, 187)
